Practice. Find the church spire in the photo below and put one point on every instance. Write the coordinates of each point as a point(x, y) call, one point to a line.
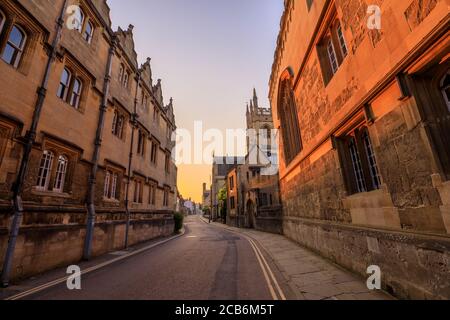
point(255, 99)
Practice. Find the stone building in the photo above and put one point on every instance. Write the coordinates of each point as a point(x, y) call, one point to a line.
point(98, 131)
point(364, 115)
point(252, 191)
point(220, 168)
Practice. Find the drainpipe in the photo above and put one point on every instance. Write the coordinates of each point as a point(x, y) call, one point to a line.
point(134, 117)
point(30, 138)
point(90, 203)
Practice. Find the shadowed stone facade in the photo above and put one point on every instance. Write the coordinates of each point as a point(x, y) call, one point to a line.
point(134, 146)
point(368, 181)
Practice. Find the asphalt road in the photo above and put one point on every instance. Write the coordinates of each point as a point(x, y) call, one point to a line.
point(207, 263)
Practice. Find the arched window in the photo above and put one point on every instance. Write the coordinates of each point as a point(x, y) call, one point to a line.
point(287, 111)
point(64, 84)
point(121, 73)
point(88, 32)
point(2, 21)
point(61, 171)
point(445, 88)
point(80, 23)
point(125, 79)
point(76, 93)
point(44, 170)
point(14, 47)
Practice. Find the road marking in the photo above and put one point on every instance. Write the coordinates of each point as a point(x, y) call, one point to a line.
point(89, 270)
point(264, 265)
point(280, 292)
point(269, 284)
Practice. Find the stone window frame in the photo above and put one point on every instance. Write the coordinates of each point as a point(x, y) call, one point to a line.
point(76, 74)
point(8, 130)
point(138, 193)
point(111, 192)
point(116, 130)
point(333, 34)
point(13, 16)
point(141, 146)
point(58, 150)
point(155, 145)
point(367, 177)
point(87, 20)
point(288, 116)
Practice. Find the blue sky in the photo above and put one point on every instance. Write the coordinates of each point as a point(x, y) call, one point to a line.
point(209, 54)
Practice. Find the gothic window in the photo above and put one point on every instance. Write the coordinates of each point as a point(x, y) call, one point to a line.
point(289, 121)
point(64, 84)
point(359, 162)
point(61, 171)
point(45, 170)
point(15, 45)
point(125, 79)
point(445, 89)
point(111, 185)
point(76, 93)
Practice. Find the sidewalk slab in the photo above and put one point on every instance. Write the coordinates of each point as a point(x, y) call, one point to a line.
point(309, 275)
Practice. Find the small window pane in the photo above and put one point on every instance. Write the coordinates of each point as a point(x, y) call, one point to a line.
point(332, 56)
point(60, 174)
point(44, 170)
point(76, 92)
point(357, 166)
point(88, 32)
point(64, 84)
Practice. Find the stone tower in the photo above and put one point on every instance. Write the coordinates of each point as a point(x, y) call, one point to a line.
point(258, 118)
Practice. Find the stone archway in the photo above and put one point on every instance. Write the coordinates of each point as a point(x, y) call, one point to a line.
point(251, 215)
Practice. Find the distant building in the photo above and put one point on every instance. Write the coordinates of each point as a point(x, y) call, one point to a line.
point(253, 197)
point(220, 169)
point(206, 200)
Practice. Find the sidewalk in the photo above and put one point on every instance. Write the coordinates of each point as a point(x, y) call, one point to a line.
point(310, 276)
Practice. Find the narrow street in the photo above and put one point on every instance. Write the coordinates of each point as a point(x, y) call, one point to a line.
point(205, 263)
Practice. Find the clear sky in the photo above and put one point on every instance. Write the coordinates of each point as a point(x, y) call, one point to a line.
point(209, 54)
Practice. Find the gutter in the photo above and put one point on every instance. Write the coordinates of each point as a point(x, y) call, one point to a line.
point(90, 201)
